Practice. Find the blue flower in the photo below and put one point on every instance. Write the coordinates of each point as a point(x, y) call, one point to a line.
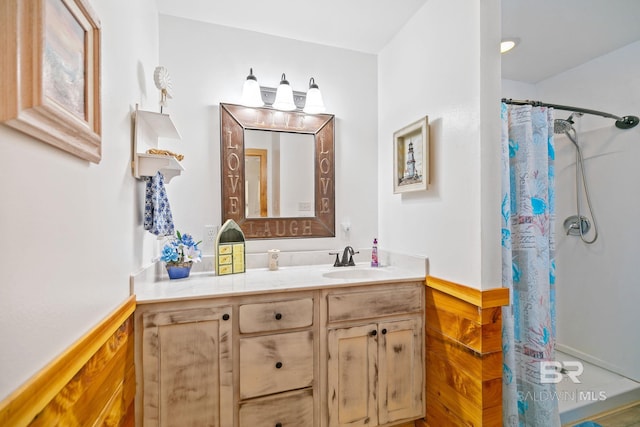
point(169, 254)
point(187, 240)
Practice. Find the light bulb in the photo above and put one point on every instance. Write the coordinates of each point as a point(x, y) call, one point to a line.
point(314, 103)
point(251, 91)
point(284, 96)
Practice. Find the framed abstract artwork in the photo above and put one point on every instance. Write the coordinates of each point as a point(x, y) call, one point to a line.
point(411, 157)
point(50, 73)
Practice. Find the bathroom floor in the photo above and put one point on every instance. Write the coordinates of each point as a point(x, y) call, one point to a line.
point(625, 417)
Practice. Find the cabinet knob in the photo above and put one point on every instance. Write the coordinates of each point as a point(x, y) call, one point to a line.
point(278, 365)
point(278, 316)
point(374, 333)
point(225, 316)
point(384, 331)
point(278, 425)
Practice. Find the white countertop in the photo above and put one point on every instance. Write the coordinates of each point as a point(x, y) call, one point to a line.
point(149, 286)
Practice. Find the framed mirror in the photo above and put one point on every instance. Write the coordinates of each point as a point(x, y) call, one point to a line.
point(277, 172)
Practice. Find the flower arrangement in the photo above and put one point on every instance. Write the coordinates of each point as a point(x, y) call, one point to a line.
point(181, 250)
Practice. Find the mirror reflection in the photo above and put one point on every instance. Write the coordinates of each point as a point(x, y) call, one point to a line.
point(279, 174)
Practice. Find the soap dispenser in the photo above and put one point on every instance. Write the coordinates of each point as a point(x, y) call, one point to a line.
point(374, 253)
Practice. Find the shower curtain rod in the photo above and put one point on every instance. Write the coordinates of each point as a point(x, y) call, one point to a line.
point(626, 122)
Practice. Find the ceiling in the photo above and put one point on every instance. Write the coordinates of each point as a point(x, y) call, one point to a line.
point(362, 25)
point(555, 35)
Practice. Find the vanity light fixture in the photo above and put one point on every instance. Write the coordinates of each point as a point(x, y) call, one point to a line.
point(284, 96)
point(314, 103)
point(251, 96)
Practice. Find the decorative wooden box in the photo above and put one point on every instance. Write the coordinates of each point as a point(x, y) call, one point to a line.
point(230, 249)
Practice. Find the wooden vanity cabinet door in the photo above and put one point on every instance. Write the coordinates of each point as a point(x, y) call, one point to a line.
point(187, 368)
point(352, 394)
point(400, 364)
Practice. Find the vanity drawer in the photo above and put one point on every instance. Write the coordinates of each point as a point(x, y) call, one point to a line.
point(275, 363)
point(293, 409)
point(374, 303)
point(276, 315)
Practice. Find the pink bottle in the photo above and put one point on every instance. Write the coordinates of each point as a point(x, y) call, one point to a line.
point(374, 253)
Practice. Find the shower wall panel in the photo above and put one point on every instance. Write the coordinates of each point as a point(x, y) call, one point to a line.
point(598, 285)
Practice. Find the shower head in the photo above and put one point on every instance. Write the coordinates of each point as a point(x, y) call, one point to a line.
point(562, 125)
point(565, 125)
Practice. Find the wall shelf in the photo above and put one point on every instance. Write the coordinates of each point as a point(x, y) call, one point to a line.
point(148, 127)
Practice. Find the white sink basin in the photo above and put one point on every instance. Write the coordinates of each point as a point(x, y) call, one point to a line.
point(356, 273)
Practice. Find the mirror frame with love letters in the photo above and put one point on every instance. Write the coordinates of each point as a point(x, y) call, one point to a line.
point(234, 120)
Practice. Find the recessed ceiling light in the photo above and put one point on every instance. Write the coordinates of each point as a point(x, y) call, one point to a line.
point(508, 44)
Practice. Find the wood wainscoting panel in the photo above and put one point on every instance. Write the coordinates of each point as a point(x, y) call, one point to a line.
point(91, 383)
point(464, 355)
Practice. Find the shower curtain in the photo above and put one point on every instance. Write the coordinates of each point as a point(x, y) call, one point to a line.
point(528, 266)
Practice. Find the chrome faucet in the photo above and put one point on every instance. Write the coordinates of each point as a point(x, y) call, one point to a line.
point(347, 257)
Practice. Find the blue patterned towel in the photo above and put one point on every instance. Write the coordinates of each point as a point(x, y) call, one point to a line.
point(157, 212)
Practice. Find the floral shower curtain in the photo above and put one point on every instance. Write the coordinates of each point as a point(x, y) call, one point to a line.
point(528, 266)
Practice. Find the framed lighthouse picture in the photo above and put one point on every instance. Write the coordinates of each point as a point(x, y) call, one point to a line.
point(411, 157)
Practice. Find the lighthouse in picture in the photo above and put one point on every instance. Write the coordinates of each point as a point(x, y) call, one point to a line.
point(411, 164)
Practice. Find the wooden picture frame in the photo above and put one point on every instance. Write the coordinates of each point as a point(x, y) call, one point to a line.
point(50, 73)
point(411, 157)
point(234, 120)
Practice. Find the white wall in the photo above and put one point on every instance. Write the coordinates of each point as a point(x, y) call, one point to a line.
point(597, 285)
point(70, 228)
point(440, 65)
point(518, 90)
point(209, 64)
point(490, 132)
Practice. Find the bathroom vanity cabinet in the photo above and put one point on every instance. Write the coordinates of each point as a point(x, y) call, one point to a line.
point(375, 355)
point(345, 355)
